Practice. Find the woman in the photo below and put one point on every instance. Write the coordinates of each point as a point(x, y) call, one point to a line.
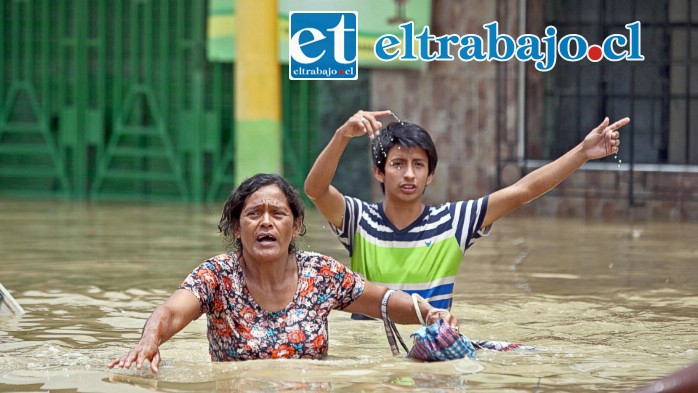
point(265, 299)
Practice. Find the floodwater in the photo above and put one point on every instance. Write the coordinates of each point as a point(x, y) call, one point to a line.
point(611, 306)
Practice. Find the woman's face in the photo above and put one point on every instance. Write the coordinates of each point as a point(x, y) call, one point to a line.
point(267, 225)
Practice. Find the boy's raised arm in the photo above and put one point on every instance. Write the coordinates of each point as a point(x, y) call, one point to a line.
point(600, 142)
point(318, 185)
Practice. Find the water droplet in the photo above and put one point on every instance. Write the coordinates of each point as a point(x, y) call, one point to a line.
point(620, 161)
point(615, 157)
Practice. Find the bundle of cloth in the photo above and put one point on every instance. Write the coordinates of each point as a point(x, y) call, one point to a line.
point(440, 341)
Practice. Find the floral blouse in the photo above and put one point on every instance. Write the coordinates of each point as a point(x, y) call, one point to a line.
point(239, 329)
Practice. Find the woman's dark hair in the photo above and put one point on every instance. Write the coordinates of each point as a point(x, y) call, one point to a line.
point(403, 134)
point(230, 220)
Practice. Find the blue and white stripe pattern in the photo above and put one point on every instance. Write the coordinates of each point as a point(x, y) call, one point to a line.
point(422, 258)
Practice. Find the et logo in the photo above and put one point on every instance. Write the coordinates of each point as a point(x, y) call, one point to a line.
point(323, 45)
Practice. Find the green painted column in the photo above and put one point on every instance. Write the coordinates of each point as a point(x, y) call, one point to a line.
point(257, 80)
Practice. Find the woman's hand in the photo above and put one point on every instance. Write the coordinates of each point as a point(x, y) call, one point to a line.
point(362, 122)
point(144, 350)
point(167, 319)
point(603, 140)
point(434, 314)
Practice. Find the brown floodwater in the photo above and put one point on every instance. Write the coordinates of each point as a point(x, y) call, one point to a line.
point(610, 306)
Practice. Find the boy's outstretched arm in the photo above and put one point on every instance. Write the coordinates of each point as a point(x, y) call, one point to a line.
point(601, 142)
point(318, 185)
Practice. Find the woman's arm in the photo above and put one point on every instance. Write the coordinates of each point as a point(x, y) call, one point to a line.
point(400, 307)
point(167, 319)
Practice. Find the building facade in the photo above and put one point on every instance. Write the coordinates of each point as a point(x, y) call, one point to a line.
point(493, 122)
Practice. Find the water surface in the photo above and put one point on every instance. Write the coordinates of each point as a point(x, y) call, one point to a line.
point(612, 306)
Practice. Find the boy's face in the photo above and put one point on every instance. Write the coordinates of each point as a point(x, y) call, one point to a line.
point(406, 173)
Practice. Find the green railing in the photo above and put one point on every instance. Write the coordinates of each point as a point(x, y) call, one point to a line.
point(115, 100)
point(31, 154)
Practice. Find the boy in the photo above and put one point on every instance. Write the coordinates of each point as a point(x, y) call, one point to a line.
point(400, 242)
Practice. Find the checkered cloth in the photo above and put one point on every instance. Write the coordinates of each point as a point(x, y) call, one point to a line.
point(439, 341)
point(501, 346)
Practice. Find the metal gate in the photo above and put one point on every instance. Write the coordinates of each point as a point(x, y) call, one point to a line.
point(116, 100)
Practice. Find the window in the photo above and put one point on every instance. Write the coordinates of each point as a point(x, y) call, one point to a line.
point(660, 94)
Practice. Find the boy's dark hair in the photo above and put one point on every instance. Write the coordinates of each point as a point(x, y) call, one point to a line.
point(403, 134)
point(230, 220)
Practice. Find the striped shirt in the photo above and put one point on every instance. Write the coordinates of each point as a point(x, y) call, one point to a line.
point(422, 258)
